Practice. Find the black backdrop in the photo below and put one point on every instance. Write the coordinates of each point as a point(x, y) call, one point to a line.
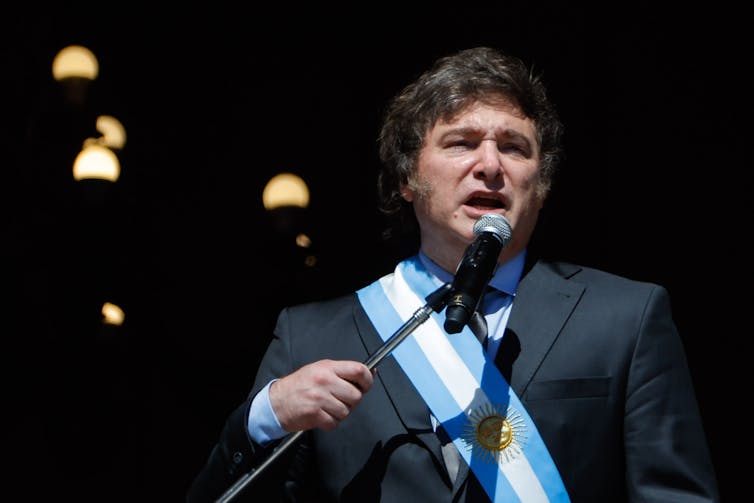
point(216, 101)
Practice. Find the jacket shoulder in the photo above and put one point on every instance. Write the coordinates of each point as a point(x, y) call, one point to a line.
point(589, 275)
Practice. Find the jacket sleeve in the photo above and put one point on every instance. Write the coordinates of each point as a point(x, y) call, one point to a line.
point(232, 456)
point(667, 456)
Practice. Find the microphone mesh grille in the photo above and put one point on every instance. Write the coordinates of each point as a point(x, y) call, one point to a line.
point(496, 224)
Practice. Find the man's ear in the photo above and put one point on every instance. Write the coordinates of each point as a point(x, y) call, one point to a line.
point(407, 193)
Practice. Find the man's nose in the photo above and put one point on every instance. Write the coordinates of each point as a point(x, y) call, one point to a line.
point(489, 166)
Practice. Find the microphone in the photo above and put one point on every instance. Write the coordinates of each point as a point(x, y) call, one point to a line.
point(493, 232)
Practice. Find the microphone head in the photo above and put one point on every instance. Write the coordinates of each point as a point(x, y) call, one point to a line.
point(496, 224)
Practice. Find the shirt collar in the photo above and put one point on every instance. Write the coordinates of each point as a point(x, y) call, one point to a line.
point(505, 279)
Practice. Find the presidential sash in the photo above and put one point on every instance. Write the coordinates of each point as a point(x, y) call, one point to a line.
point(465, 392)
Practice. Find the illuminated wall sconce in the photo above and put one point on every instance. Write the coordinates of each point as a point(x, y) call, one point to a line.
point(285, 197)
point(75, 61)
point(283, 190)
point(96, 161)
point(75, 67)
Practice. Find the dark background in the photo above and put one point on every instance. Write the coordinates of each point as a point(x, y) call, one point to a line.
point(215, 101)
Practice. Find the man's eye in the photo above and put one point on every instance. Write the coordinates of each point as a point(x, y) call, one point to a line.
point(514, 149)
point(461, 144)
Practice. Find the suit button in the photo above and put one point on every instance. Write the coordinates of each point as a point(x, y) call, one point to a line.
point(237, 458)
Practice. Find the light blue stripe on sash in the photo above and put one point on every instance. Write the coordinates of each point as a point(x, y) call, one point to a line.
point(423, 375)
point(533, 461)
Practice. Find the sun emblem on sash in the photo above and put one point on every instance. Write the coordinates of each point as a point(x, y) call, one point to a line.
point(494, 435)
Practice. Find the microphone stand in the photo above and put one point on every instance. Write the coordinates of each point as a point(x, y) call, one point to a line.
point(436, 301)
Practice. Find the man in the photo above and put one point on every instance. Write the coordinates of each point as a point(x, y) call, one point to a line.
point(579, 391)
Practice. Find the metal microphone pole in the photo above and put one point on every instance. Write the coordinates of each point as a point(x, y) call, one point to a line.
point(435, 302)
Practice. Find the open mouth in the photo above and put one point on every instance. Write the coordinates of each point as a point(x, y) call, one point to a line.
point(484, 203)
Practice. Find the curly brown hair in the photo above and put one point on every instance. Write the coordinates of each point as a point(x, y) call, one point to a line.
point(452, 84)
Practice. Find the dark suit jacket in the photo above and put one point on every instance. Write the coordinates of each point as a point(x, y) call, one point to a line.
point(595, 358)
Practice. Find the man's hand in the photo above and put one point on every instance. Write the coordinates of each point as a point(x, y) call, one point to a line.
point(320, 394)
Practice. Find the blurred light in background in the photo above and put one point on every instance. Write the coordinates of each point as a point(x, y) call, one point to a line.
point(112, 314)
point(75, 67)
point(75, 61)
point(286, 197)
point(303, 240)
point(96, 161)
point(285, 189)
point(113, 132)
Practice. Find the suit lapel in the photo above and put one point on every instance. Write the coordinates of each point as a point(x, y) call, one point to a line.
point(408, 404)
point(544, 301)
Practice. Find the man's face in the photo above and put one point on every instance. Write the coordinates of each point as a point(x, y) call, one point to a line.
point(485, 160)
